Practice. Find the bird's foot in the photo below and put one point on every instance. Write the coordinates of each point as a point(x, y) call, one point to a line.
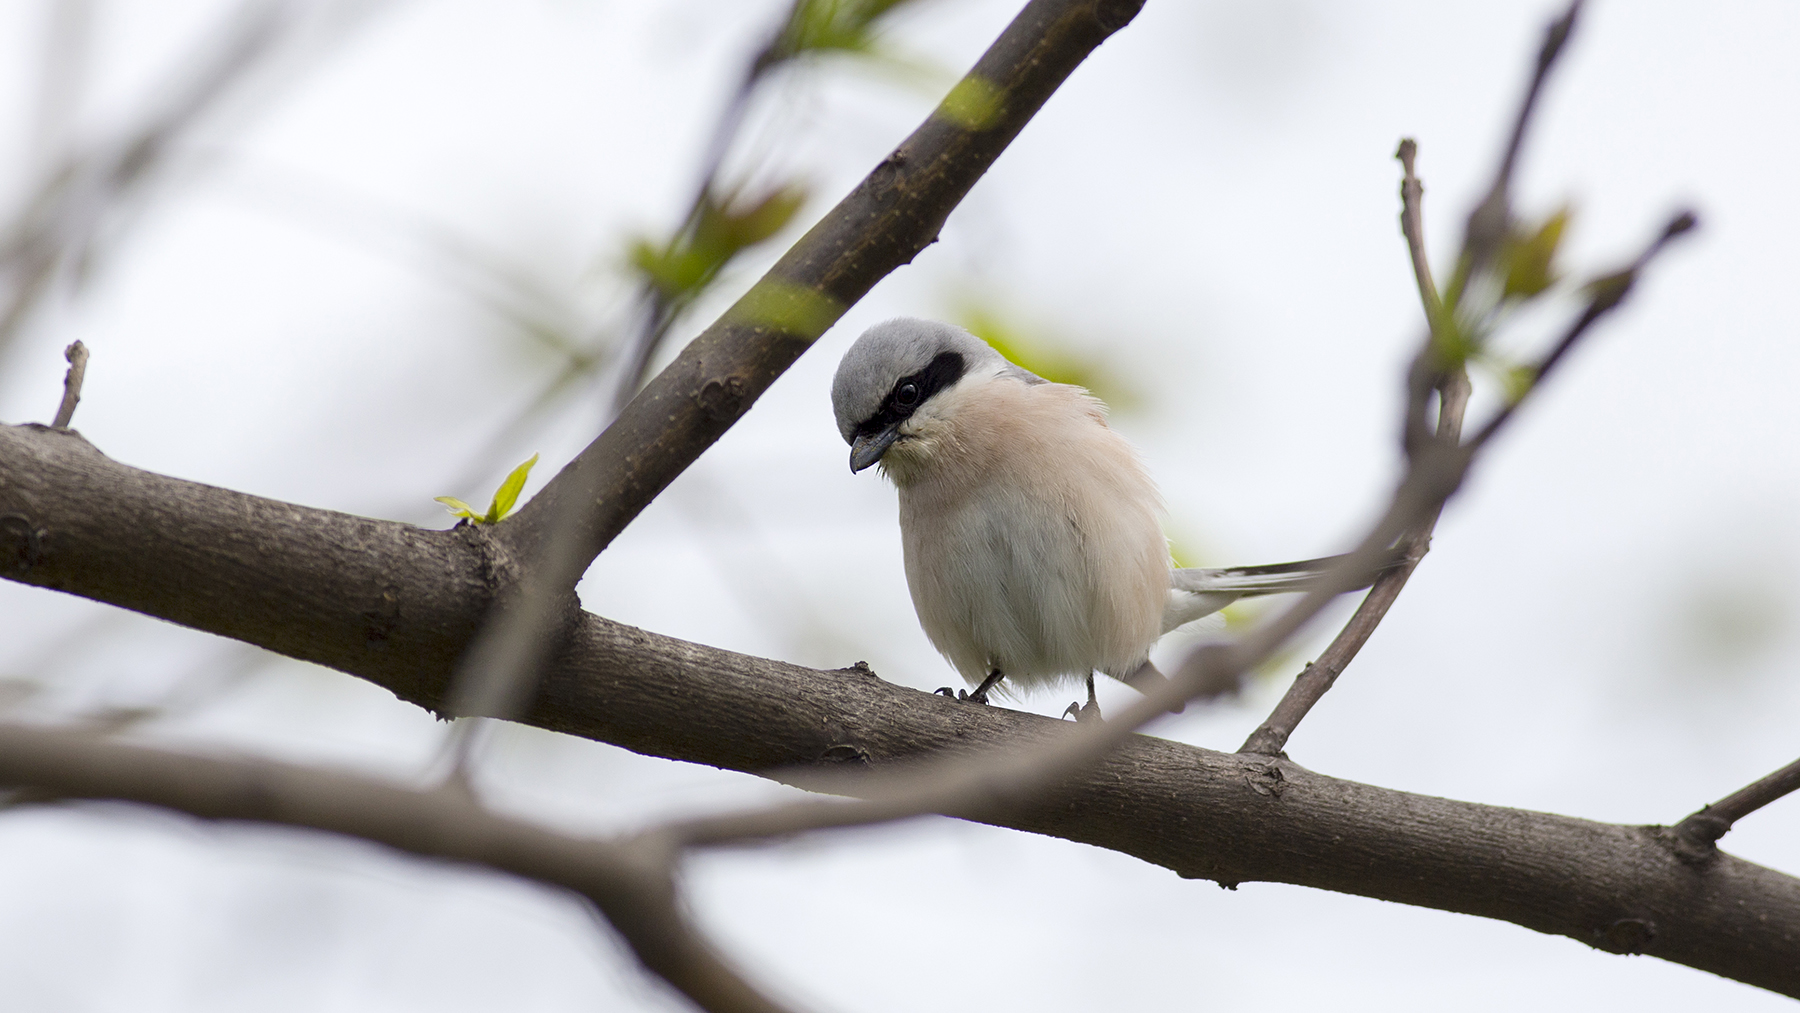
point(981, 692)
point(1084, 712)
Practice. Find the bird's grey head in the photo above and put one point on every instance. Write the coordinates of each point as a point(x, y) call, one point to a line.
point(893, 370)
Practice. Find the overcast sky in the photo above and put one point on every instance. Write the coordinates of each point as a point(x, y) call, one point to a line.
point(313, 309)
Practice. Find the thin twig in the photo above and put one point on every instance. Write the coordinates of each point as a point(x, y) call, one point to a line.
point(77, 354)
point(1319, 675)
point(1489, 221)
point(1605, 296)
point(1412, 226)
point(656, 313)
point(1698, 835)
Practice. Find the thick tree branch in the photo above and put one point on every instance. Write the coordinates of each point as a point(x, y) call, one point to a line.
point(633, 891)
point(395, 604)
point(886, 221)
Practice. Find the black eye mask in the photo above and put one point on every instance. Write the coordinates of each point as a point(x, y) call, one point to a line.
point(912, 391)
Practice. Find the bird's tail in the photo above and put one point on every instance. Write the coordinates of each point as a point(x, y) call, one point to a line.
point(1195, 592)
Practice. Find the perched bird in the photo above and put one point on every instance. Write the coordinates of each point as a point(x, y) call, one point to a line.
point(1033, 537)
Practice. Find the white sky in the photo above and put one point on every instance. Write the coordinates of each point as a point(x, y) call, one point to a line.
point(1607, 627)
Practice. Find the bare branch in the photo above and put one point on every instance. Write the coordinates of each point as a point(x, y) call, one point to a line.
point(77, 354)
point(632, 889)
point(1697, 836)
point(1412, 226)
point(1450, 460)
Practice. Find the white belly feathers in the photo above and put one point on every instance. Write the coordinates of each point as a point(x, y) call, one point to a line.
point(1048, 575)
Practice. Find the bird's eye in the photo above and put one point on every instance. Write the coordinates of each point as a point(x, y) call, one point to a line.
point(906, 395)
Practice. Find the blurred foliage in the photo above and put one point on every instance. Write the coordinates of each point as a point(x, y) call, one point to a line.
point(681, 268)
point(824, 26)
point(1048, 355)
point(1528, 260)
point(788, 308)
point(974, 103)
point(1476, 303)
point(1733, 611)
point(502, 503)
point(1473, 308)
point(721, 222)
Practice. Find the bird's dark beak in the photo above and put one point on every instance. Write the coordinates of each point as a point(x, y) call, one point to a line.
point(868, 447)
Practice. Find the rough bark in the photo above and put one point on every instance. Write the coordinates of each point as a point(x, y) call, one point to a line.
point(395, 604)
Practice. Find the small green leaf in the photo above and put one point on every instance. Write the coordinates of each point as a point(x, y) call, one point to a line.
point(1529, 261)
point(502, 504)
point(1517, 382)
point(508, 493)
point(683, 267)
point(458, 508)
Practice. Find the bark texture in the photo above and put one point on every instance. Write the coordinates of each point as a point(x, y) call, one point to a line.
point(396, 604)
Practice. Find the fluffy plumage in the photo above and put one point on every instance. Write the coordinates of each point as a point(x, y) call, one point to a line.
point(1032, 534)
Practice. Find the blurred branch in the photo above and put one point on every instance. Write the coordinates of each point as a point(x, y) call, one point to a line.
point(58, 230)
point(1697, 836)
point(633, 890)
point(62, 78)
point(77, 354)
point(55, 229)
point(1491, 220)
point(717, 225)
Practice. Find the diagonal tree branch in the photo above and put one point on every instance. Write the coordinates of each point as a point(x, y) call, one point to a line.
point(886, 221)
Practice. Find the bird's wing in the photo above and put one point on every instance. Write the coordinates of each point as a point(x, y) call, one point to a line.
point(1195, 592)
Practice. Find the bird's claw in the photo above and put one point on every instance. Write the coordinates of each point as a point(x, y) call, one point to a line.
point(1083, 712)
point(962, 694)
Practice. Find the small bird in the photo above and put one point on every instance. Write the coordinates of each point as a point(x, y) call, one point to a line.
point(1032, 534)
